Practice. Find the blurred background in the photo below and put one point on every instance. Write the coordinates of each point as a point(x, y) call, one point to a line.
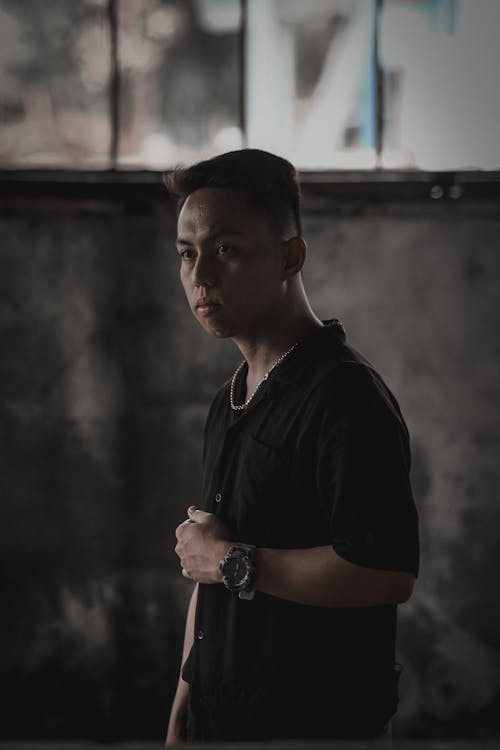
point(390, 110)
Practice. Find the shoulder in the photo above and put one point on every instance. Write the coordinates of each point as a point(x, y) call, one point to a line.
point(353, 386)
point(353, 412)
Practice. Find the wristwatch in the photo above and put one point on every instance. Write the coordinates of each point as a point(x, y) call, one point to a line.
point(238, 569)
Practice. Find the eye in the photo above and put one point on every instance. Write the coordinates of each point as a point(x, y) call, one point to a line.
point(224, 249)
point(186, 255)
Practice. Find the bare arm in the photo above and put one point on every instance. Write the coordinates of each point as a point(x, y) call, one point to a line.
point(319, 576)
point(175, 729)
point(315, 575)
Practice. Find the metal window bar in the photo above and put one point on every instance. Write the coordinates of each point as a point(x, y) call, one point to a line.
point(379, 85)
point(243, 71)
point(114, 98)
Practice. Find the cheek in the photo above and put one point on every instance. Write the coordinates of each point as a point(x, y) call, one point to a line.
point(261, 283)
point(184, 278)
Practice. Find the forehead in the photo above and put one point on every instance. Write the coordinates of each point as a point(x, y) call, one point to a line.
point(218, 209)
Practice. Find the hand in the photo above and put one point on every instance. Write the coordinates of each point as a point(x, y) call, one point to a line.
point(201, 544)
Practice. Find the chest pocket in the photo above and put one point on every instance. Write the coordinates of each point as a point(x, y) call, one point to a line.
point(262, 491)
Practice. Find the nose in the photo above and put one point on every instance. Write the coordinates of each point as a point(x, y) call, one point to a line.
point(203, 272)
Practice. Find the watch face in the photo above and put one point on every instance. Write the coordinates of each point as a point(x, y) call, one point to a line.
point(235, 569)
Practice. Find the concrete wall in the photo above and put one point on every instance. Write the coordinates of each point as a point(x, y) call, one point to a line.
point(107, 379)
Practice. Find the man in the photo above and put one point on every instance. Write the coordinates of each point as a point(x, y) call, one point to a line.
point(306, 538)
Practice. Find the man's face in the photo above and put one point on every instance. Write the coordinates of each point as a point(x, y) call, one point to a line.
point(232, 260)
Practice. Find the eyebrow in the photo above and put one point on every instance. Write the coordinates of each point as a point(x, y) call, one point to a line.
point(211, 237)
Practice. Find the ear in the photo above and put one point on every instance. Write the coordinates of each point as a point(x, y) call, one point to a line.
point(294, 255)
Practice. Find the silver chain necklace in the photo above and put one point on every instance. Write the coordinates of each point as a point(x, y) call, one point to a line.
point(238, 407)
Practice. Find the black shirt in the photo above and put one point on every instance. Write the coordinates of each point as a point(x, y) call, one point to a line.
point(320, 456)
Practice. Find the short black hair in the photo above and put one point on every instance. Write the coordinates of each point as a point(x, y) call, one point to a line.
point(270, 182)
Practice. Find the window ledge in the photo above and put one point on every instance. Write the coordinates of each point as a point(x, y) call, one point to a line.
point(342, 185)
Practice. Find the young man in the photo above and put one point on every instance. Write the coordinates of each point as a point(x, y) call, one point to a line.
point(306, 535)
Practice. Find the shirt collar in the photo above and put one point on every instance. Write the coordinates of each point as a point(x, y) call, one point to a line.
point(331, 333)
point(291, 371)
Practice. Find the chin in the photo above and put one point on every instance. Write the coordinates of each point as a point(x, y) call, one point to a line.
point(218, 331)
point(218, 327)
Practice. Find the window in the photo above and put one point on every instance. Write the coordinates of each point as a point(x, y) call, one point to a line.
point(441, 63)
point(310, 81)
point(329, 84)
point(54, 84)
point(179, 65)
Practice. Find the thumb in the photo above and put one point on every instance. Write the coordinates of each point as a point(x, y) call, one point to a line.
point(196, 515)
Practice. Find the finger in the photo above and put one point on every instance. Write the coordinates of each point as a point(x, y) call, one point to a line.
point(197, 515)
point(180, 528)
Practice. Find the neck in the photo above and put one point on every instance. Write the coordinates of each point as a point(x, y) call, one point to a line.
point(262, 349)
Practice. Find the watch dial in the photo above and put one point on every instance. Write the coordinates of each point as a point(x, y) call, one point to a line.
point(235, 570)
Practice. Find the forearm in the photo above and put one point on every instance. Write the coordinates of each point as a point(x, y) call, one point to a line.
point(175, 730)
point(189, 629)
point(319, 576)
point(179, 703)
point(316, 575)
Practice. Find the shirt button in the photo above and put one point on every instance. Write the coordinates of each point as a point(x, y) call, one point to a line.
point(218, 497)
point(200, 634)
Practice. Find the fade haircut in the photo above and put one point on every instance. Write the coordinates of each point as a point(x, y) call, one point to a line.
point(270, 183)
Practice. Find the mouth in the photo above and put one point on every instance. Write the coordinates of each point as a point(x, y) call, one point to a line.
point(206, 307)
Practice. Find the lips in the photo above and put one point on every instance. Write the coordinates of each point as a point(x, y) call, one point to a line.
point(207, 305)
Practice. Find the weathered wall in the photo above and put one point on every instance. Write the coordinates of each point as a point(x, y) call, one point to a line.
point(106, 381)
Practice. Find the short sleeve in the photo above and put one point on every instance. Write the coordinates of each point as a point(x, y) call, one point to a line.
point(362, 474)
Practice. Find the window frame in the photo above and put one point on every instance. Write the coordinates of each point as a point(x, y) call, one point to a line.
point(338, 186)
